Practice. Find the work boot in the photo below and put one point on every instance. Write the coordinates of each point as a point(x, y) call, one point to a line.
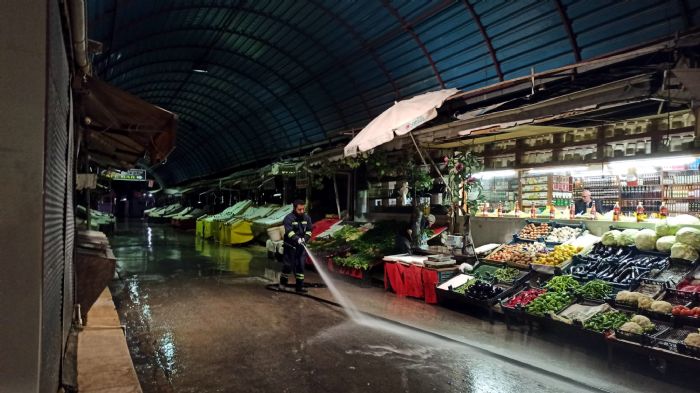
point(283, 281)
point(300, 287)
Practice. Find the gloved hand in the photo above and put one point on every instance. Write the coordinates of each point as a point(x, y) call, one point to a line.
point(301, 241)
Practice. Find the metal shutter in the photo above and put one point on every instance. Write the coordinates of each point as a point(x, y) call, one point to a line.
point(55, 192)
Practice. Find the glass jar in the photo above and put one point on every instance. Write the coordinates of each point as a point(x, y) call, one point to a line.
point(619, 150)
point(608, 151)
point(676, 143)
point(641, 147)
point(630, 149)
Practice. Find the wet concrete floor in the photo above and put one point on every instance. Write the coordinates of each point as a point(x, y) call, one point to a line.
point(199, 319)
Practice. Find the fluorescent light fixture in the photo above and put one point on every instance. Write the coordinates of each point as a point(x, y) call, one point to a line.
point(561, 169)
point(590, 173)
point(276, 195)
point(649, 165)
point(200, 67)
point(492, 174)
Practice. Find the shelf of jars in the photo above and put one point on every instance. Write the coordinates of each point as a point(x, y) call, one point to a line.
point(667, 133)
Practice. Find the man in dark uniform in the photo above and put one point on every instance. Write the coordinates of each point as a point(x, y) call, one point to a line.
point(297, 231)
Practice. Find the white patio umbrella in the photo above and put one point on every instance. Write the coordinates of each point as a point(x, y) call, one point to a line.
point(400, 119)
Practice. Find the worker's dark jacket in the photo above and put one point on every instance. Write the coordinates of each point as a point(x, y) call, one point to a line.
point(580, 207)
point(296, 227)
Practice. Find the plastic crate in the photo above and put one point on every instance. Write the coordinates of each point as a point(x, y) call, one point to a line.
point(645, 339)
point(688, 350)
point(539, 239)
point(556, 224)
point(507, 291)
point(517, 309)
point(670, 338)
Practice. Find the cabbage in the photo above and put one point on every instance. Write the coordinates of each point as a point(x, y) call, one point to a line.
point(689, 236)
point(672, 224)
point(627, 237)
point(664, 244)
point(663, 229)
point(645, 240)
point(684, 251)
point(611, 238)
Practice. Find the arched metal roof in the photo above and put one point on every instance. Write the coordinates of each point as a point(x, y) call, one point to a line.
point(287, 74)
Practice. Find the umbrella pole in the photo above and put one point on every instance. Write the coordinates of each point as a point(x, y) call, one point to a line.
point(417, 149)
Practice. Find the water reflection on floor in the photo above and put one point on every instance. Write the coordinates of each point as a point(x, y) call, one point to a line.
point(158, 249)
point(199, 319)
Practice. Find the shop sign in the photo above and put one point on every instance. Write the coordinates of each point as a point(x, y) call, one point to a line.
point(130, 175)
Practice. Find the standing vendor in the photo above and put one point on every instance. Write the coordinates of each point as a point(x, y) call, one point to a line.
point(297, 231)
point(583, 205)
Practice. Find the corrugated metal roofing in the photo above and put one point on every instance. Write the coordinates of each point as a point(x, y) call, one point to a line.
point(286, 74)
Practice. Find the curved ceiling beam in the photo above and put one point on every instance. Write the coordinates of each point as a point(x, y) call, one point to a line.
point(486, 37)
point(363, 44)
point(248, 76)
point(230, 32)
point(267, 15)
point(126, 85)
point(409, 29)
point(234, 71)
point(569, 31)
point(164, 93)
point(146, 88)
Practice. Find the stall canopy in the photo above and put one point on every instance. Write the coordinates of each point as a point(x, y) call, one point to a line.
point(399, 119)
point(122, 129)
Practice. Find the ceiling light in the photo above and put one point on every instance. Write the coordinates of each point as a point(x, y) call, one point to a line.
point(492, 174)
point(200, 67)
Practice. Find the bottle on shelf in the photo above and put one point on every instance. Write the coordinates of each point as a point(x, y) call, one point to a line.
point(552, 211)
point(616, 212)
point(663, 210)
point(533, 211)
point(640, 212)
point(499, 211)
point(572, 211)
point(517, 209)
point(593, 210)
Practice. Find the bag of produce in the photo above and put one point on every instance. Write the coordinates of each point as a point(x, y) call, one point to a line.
point(689, 236)
point(611, 238)
point(627, 237)
point(684, 251)
point(646, 240)
point(665, 243)
point(671, 225)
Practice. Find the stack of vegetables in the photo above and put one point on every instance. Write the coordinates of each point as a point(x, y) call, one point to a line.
point(518, 253)
point(617, 265)
point(559, 295)
point(559, 255)
point(606, 320)
point(358, 248)
point(524, 298)
point(595, 290)
point(675, 235)
point(563, 234)
point(485, 285)
point(533, 231)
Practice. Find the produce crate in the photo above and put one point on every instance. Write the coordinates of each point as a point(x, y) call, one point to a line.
point(578, 260)
point(628, 313)
point(644, 339)
point(677, 270)
point(566, 312)
point(688, 350)
point(556, 224)
point(522, 276)
point(539, 239)
point(549, 269)
point(671, 338)
point(651, 287)
point(487, 303)
point(493, 261)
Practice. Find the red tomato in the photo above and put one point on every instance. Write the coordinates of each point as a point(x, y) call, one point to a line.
point(687, 312)
point(696, 311)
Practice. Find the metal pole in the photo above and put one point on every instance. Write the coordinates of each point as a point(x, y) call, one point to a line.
point(417, 149)
point(337, 200)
